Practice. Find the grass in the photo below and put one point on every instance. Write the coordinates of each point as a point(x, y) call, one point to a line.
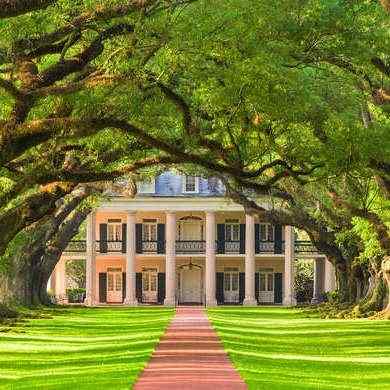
point(281, 348)
point(81, 348)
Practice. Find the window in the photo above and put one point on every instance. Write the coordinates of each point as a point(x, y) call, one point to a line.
point(232, 230)
point(266, 280)
point(231, 279)
point(267, 232)
point(149, 230)
point(147, 186)
point(149, 279)
point(114, 230)
point(191, 184)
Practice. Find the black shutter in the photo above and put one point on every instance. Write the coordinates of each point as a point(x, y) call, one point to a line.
point(138, 237)
point(103, 237)
point(278, 292)
point(102, 287)
point(160, 238)
point(219, 288)
point(257, 238)
point(278, 239)
point(242, 287)
point(124, 237)
point(138, 286)
point(123, 286)
point(257, 286)
point(242, 238)
point(161, 287)
point(221, 238)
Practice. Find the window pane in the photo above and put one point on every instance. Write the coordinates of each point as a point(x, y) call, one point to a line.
point(227, 282)
point(190, 183)
point(118, 282)
point(271, 229)
point(153, 282)
point(270, 283)
point(262, 282)
point(145, 232)
point(236, 233)
point(145, 281)
point(235, 282)
point(153, 232)
point(110, 282)
point(118, 232)
point(110, 234)
point(263, 232)
point(228, 233)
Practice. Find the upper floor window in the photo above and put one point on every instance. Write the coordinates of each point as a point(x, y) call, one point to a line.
point(149, 230)
point(191, 184)
point(114, 230)
point(267, 232)
point(147, 186)
point(232, 230)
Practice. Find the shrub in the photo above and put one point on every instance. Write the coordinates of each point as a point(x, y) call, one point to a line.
point(75, 295)
point(304, 281)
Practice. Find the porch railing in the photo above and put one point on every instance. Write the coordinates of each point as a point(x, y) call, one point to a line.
point(76, 246)
point(267, 246)
point(111, 246)
point(305, 247)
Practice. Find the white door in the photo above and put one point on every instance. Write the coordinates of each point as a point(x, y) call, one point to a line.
point(114, 285)
point(231, 286)
point(266, 286)
point(149, 285)
point(190, 231)
point(191, 285)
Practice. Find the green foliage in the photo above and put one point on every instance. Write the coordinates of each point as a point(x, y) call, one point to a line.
point(304, 280)
point(75, 273)
point(75, 295)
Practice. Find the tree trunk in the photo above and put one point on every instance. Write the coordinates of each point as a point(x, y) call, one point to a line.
point(386, 278)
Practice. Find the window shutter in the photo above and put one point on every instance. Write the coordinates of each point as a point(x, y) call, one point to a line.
point(241, 286)
point(138, 237)
point(102, 287)
point(242, 238)
point(257, 286)
point(124, 237)
point(221, 238)
point(257, 238)
point(123, 286)
point(278, 292)
point(160, 238)
point(219, 288)
point(278, 249)
point(103, 237)
point(161, 287)
point(138, 286)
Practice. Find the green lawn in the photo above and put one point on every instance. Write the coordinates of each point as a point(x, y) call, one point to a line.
point(81, 348)
point(280, 348)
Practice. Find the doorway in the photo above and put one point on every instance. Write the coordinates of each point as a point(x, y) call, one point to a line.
point(114, 285)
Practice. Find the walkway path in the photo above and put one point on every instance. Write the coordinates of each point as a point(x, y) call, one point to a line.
point(190, 356)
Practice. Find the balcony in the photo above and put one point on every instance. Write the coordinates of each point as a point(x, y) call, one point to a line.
point(186, 247)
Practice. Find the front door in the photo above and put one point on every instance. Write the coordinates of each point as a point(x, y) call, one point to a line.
point(191, 285)
point(266, 286)
point(231, 285)
point(114, 285)
point(149, 285)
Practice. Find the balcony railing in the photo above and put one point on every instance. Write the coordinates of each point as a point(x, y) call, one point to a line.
point(190, 246)
point(305, 247)
point(76, 246)
point(187, 247)
point(149, 246)
point(232, 246)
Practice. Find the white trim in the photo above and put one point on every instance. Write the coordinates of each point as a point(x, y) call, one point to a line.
point(147, 186)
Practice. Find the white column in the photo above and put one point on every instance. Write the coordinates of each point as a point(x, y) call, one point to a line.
point(250, 299)
point(60, 275)
point(170, 260)
point(210, 259)
point(330, 276)
point(130, 259)
point(317, 281)
point(289, 271)
point(90, 267)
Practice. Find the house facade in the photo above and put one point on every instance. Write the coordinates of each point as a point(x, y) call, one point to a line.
point(181, 241)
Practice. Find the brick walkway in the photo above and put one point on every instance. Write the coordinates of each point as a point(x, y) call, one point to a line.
point(190, 356)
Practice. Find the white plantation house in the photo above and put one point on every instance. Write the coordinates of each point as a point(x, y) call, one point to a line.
point(180, 240)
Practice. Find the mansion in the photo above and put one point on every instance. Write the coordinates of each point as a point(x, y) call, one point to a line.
point(181, 241)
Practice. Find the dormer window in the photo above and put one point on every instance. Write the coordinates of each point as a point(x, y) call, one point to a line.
point(147, 186)
point(191, 184)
